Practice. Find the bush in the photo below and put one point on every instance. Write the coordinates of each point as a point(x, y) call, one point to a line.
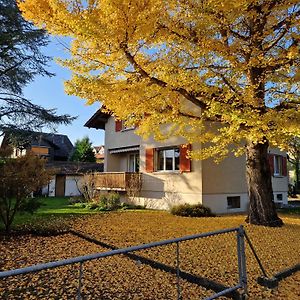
point(75, 199)
point(30, 205)
point(113, 201)
point(92, 205)
point(189, 210)
point(103, 200)
point(80, 205)
point(109, 201)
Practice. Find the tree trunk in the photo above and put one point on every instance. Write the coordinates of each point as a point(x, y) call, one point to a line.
point(262, 209)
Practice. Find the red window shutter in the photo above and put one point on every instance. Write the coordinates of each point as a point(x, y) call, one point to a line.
point(118, 125)
point(184, 161)
point(149, 160)
point(271, 163)
point(284, 166)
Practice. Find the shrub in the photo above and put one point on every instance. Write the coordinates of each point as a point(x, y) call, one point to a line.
point(126, 206)
point(103, 200)
point(92, 205)
point(80, 205)
point(30, 205)
point(191, 210)
point(109, 201)
point(113, 201)
point(75, 199)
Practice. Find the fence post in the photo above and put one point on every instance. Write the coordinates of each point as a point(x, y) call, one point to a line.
point(80, 281)
point(242, 260)
point(178, 272)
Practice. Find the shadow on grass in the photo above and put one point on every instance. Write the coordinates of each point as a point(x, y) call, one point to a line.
point(200, 281)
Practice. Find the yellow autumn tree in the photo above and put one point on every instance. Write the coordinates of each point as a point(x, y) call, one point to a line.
point(224, 73)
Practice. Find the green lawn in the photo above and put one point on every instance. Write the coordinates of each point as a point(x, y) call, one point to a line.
point(52, 209)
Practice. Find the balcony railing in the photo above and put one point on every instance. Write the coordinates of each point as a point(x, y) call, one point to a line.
point(119, 181)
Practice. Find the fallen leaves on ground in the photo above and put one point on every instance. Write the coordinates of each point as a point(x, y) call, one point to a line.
point(120, 277)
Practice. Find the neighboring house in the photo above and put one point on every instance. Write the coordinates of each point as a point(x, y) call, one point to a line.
point(169, 178)
point(68, 176)
point(53, 147)
point(99, 153)
point(56, 149)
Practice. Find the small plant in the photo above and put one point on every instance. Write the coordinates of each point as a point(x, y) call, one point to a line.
point(75, 199)
point(92, 205)
point(103, 200)
point(113, 201)
point(127, 206)
point(109, 201)
point(80, 205)
point(30, 205)
point(191, 210)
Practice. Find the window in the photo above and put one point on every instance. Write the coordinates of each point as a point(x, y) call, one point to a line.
point(124, 127)
point(168, 159)
point(279, 197)
point(233, 202)
point(278, 168)
point(134, 162)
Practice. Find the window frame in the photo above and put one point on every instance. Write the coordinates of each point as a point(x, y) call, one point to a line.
point(278, 166)
point(135, 165)
point(157, 162)
point(233, 198)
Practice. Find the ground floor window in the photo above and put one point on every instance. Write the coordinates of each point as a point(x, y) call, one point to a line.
point(233, 202)
point(134, 162)
point(278, 168)
point(168, 159)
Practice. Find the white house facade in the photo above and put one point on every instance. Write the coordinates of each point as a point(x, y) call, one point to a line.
point(169, 177)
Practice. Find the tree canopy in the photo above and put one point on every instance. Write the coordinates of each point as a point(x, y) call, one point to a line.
point(21, 60)
point(83, 151)
point(223, 73)
point(237, 61)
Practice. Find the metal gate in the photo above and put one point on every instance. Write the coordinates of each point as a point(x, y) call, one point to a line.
point(241, 285)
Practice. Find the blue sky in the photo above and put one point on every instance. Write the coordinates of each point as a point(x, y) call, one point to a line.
point(49, 93)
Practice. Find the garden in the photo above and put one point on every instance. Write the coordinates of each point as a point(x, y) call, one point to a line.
point(122, 277)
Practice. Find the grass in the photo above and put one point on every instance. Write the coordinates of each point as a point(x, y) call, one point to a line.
point(52, 209)
point(119, 277)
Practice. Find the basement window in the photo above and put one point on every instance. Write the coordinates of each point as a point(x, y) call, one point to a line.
point(233, 202)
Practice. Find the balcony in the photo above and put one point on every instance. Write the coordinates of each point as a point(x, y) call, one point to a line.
point(118, 181)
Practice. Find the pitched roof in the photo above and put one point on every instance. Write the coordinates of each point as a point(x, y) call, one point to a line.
point(98, 120)
point(74, 168)
point(60, 143)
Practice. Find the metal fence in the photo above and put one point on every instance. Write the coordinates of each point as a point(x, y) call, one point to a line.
point(237, 291)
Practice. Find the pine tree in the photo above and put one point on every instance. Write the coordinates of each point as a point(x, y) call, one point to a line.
point(83, 151)
point(20, 61)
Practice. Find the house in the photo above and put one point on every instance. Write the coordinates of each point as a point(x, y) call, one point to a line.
point(52, 146)
point(169, 178)
point(99, 153)
point(56, 149)
point(67, 180)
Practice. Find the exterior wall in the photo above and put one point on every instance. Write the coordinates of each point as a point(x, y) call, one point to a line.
point(71, 188)
point(207, 183)
point(113, 139)
point(50, 188)
point(280, 183)
point(163, 189)
point(17, 153)
point(218, 202)
point(226, 179)
point(40, 150)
